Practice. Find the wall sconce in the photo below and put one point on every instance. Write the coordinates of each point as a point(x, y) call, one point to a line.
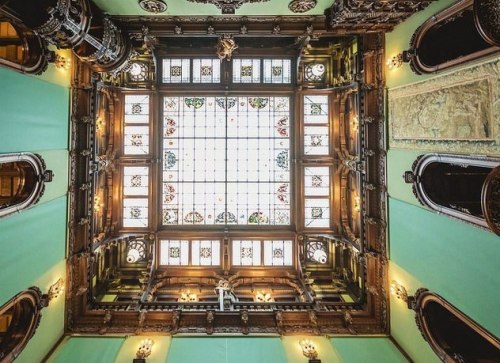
point(395, 62)
point(97, 204)
point(62, 62)
point(187, 296)
point(262, 296)
point(309, 350)
point(144, 351)
point(56, 289)
point(399, 291)
point(357, 204)
point(355, 123)
point(99, 124)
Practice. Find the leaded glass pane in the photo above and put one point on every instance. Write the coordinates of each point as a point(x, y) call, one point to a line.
point(316, 140)
point(278, 253)
point(246, 253)
point(136, 140)
point(317, 212)
point(205, 252)
point(135, 180)
point(315, 109)
point(136, 109)
point(135, 212)
point(315, 72)
point(176, 70)
point(277, 71)
point(246, 70)
point(206, 70)
point(174, 252)
point(317, 181)
point(226, 160)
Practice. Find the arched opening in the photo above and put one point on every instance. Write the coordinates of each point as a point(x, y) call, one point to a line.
point(451, 37)
point(22, 178)
point(21, 49)
point(453, 336)
point(19, 318)
point(463, 187)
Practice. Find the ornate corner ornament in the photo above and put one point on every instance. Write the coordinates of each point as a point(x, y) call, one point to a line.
point(227, 6)
point(153, 6)
point(301, 6)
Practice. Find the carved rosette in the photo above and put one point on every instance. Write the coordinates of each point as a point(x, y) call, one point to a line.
point(153, 6)
point(301, 6)
point(227, 6)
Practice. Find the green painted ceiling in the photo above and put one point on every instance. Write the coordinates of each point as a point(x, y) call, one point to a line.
point(186, 8)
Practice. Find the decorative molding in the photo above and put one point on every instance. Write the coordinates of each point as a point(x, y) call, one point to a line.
point(227, 6)
point(301, 6)
point(153, 6)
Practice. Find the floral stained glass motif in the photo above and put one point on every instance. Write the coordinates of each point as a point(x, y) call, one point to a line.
point(205, 252)
point(170, 127)
point(136, 109)
point(317, 181)
point(206, 70)
point(135, 181)
point(246, 253)
point(282, 126)
point(316, 140)
point(277, 71)
point(174, 252)
point(316, 110)
point(135, 212)
point(278, 252)
point(246, 71)
point(176, 70)
point(226, 160)
point(317, 212)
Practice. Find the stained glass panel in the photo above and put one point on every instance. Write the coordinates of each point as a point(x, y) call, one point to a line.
point(135, 212)
point(176, 70)
point(246, 253)
point(206, 70)
point(205, 252)
point(136, 140)
point(135, 180)
point(316, 140)
point(315, 109)
point(174, 252)
point(246, 70)
point(278, 253)
point(226, 160)
point(317, 181)
point(315, 72)
point(277, 71)
point(317, 212)
point(136, 109)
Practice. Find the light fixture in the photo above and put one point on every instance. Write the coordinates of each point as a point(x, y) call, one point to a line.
point(357, 204)
point(262, 296)
point(395, 62)
point(309, 350)
point(187, 296)
point(61, 62)
point(399, 291)
point(56, 289)
point(97, 204)
point(144, 349)
point(355, 123)
point(99, 124)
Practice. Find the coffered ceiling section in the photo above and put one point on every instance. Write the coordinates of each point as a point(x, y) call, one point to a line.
point(215, 7)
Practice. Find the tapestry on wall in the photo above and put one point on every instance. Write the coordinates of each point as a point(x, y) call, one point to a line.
point(457, 112)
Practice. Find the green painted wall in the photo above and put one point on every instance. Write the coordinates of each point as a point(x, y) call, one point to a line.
point(227, 350)
point(454, 259)
point(34, 118)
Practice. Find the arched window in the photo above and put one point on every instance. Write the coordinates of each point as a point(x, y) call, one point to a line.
point(21, 49)
point(464, 187)
point(22, 181)
point(19, 318)
point(452, 335)
point(456, 35)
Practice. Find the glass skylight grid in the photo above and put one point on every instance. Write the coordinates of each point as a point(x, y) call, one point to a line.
point(317, 181)
point(317, 212)
point(174, 252)
point(277, 71)
point(135, 212)
point(246, 253)
point(206, 70)
point(246, 71)
point(226, 160)
point(136, 109)
point(176, 70)
point(278, 252)
point(205, 252)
